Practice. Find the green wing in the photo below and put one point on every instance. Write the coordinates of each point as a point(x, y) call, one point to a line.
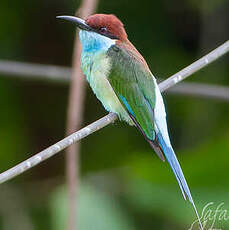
point(134, 86)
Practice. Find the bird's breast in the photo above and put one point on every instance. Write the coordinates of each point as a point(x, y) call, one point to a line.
point(96, 67)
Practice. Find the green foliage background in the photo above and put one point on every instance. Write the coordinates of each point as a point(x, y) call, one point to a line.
point(124, 185)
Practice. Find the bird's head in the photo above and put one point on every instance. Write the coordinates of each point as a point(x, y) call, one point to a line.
point(107, 25)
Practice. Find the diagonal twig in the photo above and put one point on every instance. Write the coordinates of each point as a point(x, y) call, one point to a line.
point(108, 119)
point(195, 66)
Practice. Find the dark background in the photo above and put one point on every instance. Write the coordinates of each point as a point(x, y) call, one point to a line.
point(124, 184)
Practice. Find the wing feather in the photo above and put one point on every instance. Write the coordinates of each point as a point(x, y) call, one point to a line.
point(134, 86)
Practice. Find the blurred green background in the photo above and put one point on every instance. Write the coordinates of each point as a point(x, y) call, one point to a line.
point(124, 185)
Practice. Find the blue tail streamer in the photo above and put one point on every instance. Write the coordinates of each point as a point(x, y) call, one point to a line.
point(174, 164)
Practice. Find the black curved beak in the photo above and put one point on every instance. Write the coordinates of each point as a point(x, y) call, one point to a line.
point(80, 23)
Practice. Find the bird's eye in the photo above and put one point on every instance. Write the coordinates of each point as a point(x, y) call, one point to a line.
point(103, 29)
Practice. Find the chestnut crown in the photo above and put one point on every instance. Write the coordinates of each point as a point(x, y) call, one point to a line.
point(108, 25)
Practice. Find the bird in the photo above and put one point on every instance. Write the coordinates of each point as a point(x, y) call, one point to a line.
point(122, 81)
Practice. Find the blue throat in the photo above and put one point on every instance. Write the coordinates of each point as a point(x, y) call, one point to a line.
point(93, 42)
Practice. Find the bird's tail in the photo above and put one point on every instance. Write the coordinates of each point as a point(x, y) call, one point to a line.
point(174, 164)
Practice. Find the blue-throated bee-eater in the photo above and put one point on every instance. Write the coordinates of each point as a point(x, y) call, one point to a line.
point(123, 82)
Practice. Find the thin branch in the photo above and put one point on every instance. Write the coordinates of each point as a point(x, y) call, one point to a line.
point(201, 90)
point(108, 119)
point(74, 120)
point(58, 74)
point(52, 150)
point(35, 71)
